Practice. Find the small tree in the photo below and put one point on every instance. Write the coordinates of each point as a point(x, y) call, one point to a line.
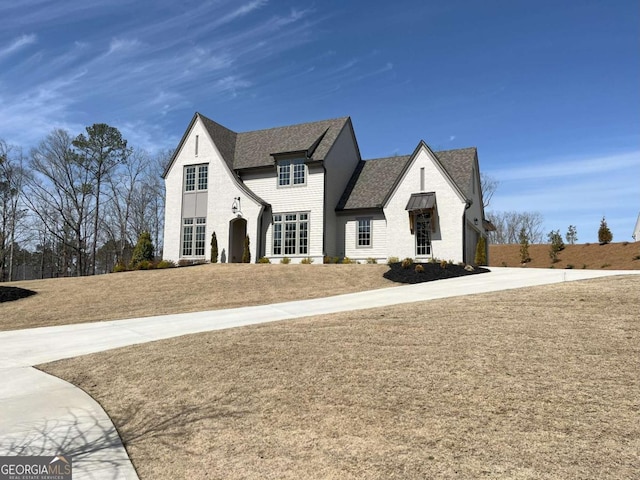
point(557, 244)
point(143, 250)
point(246, 254)
point(481, 252)
point(604, 234)
point(524, 246)
point(572, 235)
point(214, 248)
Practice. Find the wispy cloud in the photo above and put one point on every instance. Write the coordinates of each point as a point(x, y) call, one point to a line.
point(18, 43)
point(126, 45)
point(570, 167)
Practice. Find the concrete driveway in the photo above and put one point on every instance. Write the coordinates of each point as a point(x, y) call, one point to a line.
point(43, 415)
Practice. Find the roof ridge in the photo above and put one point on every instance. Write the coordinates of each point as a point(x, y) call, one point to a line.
point(455, 149)
point(296, 125)
point(387, 158)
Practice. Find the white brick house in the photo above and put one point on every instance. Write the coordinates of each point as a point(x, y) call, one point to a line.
point(302, 191)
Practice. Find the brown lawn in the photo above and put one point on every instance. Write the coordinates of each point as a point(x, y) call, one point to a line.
point(613, 256)
point(537, 383)
point(117, 296)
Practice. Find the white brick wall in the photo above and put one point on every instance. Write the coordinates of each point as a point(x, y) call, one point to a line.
point(222, 189)
point(379, 247)
point(447, 241)
point(305, 198)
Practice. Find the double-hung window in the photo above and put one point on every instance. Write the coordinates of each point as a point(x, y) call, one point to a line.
point(291, 172)
point(196, 177)
point(364, 232)
point(193, 241)
point(291, 233)
point(423, 238)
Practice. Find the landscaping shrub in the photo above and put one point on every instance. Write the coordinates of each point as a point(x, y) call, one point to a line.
point(481, 252)
point(307, 261)
point(407, 262)
point(285, 260)
point(144, 265)
point(264, 260)
point(569, 266)
point(143, 251)
point(524, 246)
point(419, 269)
point(604, 234)
point(371, 261)
point(391, 260)
point(166, 264)
point(605, 265)
point(119, 267)
point(214, 248)
point(557, 244)
point(347, 261)
point(246, 253)
point(443, 264)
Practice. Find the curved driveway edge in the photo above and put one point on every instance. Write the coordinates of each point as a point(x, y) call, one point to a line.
point(43, 415)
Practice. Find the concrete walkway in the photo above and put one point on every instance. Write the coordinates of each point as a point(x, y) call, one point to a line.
point(43, 415)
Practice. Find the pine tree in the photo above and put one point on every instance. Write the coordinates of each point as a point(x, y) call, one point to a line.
point(481, 252)
point(214, 248)
point(524, 246)
point(572, 235)
point(557, 244)
point(604, 234)
point(246, 254)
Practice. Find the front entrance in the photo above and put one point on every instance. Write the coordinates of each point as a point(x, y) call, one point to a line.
point(237, 234)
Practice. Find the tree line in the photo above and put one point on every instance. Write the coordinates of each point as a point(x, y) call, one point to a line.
point(76, 205)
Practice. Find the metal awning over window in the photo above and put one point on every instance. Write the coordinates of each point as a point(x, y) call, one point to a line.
point(422, 204)
point(421, 201)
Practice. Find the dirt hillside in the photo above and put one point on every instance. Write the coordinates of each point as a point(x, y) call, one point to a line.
point(614, 256)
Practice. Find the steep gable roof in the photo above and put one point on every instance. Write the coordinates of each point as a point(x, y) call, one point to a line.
point(257, 148)
point(374, 180)
point(459, 164)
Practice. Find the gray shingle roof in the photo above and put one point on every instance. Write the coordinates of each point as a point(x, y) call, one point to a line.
point(459, 165)
point(255, 149)
point(373, 180)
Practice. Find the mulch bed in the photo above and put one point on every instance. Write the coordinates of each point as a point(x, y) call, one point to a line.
point(9, 294)
point(432, 271)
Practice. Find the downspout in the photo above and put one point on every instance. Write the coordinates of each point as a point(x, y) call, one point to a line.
point(467, 205)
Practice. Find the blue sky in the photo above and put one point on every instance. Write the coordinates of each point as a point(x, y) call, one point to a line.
point(548, 91)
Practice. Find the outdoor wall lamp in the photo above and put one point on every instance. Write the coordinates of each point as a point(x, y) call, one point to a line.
point(235, 206)
point(475, 221)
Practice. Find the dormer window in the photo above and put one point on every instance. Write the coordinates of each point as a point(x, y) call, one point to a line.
point(291, 172)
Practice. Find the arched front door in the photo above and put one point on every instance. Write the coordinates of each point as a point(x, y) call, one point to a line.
point(237, 233)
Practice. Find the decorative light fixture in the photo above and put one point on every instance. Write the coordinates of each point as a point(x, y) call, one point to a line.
point(235, 206)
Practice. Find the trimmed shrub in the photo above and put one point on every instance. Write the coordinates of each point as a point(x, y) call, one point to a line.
point(246, 253)
point(264, 260)
point(419, 269)
point(214, 248)
point(144, 265)
point(391, 260)
point(307, 261)
point(407, 262)
point(347, 261)
point(443, 264)
point(285, 260)
point(481, 252)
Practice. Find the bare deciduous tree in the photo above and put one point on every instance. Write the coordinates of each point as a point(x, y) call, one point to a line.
point(488, 185)
point(509, 225)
